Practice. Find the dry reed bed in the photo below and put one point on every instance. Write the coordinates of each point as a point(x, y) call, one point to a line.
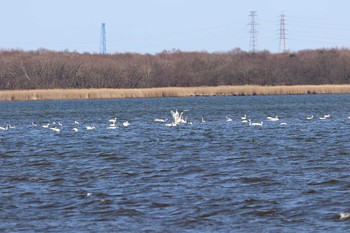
point(65, 94)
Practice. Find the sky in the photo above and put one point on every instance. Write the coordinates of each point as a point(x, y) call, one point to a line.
point(152, 26)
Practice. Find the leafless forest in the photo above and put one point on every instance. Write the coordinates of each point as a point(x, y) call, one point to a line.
point(45, 69)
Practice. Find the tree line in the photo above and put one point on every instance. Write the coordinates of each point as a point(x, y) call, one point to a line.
point(44, 69)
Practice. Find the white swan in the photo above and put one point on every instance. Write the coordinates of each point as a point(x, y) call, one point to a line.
point(113, 120)
point(228, 119)
point(177, 117)
point(344, 215)
point(56, 129)
point(255, 123)
point(126, 123)
point(325, 117)
point(112, 125)
point(75, 129)
point(203, 120)
point(173, 124)
point(76, 122)
point(310, 118)
point(272, 118)
point(90, 127)
point(244, 117)
point(160, 120)
point(283, 123)
point(46, 125)
point(4, 128)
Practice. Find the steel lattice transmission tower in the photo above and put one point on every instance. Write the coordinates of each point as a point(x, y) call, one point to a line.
point(253, 32)
point(103, 41)
point(283, 34)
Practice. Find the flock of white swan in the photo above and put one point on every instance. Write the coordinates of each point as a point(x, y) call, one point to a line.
point(177, 119)
point(57, 126)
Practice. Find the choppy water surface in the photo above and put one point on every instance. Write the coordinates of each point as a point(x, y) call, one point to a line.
point(209, 176)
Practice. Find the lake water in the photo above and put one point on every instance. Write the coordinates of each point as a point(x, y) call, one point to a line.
point(212, 176)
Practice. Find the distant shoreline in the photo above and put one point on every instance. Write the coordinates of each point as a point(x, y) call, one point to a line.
point(74, 94)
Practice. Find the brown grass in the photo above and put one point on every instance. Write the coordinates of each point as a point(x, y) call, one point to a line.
point(65, 94)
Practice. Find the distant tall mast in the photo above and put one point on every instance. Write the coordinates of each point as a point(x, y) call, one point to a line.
point(283, 36)
point(103, 42)
point(253, 32)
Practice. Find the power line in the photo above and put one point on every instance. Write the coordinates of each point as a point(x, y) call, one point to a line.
point(253, 32)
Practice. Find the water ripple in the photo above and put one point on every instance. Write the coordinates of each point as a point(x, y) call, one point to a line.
point(212, 176)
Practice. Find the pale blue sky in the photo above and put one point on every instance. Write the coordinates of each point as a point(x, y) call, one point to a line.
point(151, 26)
